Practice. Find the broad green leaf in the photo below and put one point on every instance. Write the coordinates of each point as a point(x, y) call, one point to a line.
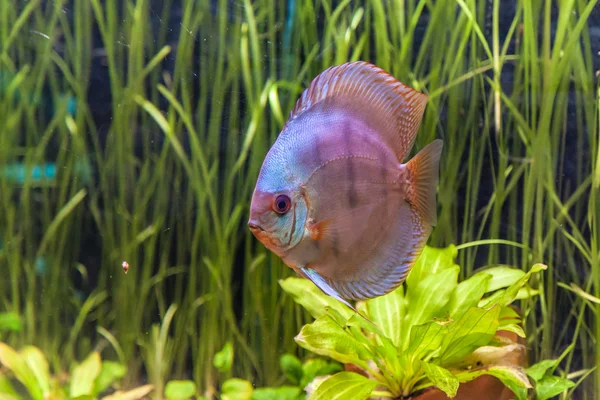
point(497, 298)
point(514, 328)
point(6, 396)
point(430, 297)
point(14, 362)
point(84, 375)
point(58, 391)
point(39, 366)
point(387, 313)
point(133, 394)
point(513, 377)
point(387, 359)
point(344, 385)
point(475, 329)
point(441, 378)
point(83, 397)
point(317, 303)
point(467, 294)
point(526, 292)
point(509, 295)
point(493, 355)
point(510, 321)
point(538, 370)
point(431, 261)
point(176, 390)
point(550, 386)
point(426, 338)
point(361, 337)
point(502, 276)
point(291, 368)
point(361, 323)
point(223, 360)
point(10, 322)
point(7, 389)
point(361, 307)
point(314, 367)
point(280, 393)
point(356, 326)
point(360, 330)
point(236, 389)
point(313, 385)
point(326, 338)
point(509, 313)
point(493, 299)
point(110, 372)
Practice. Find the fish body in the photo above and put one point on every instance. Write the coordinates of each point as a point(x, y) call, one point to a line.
point(334, 199)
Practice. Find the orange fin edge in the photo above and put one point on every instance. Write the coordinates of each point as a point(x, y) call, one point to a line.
point(316, 230)
point(424, 169)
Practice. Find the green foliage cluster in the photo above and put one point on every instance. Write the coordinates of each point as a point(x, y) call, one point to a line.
point(175, 209)
point(298, 374)
point(94, 378)
point(433, 331)
point(86, 381)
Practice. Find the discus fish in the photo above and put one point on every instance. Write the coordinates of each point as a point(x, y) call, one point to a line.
point(333, 198)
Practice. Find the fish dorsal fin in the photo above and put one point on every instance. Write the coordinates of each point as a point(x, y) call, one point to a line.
point(371, 94)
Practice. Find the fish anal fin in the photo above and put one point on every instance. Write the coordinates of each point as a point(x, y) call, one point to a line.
point(424, 171)
point(389, 266)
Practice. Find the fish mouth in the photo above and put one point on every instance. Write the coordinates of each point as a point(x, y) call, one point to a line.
point(265, 238)
point(254, 227)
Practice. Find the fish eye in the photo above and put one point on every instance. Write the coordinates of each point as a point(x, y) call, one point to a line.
point(282, 204)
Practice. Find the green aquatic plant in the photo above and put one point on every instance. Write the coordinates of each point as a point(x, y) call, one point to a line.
point(432, 332)
point(40, 221)
point(94, 378)
point(297, 374)
point(499, 97)
point(10, 322)
point(89, 379)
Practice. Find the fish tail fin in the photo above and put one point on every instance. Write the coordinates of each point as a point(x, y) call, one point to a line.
point(424, 171)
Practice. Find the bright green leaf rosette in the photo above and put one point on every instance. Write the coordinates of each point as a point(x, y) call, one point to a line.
point(431, 332)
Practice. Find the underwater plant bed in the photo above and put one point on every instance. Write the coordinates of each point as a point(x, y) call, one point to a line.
point(432, 338)
point(485, 386)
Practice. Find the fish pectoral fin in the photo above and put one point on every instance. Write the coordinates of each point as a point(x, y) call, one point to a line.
point(318, 230)
point(343, 230)
point(322, 284)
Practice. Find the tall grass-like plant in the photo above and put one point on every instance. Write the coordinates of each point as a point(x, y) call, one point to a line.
point(40, 219)
point(197, 99)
